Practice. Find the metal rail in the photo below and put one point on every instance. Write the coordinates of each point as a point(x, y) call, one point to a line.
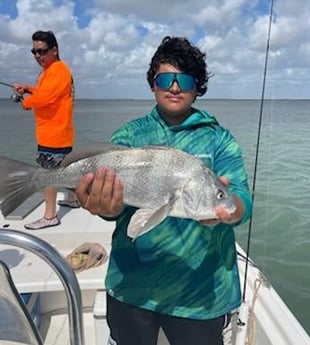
point(65, 273)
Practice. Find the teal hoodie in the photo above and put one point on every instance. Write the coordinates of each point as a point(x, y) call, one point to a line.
point(180, 267)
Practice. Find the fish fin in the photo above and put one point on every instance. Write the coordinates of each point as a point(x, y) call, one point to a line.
point(145, 220)
point(89, 151)
point(15, 183)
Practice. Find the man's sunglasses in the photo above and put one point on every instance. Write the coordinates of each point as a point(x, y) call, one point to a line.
point(40, 51)
point(185, 81)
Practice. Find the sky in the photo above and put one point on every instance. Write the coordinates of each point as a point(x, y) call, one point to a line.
point(108, 44)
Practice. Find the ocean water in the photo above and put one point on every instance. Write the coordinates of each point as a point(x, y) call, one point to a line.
point(280, 231)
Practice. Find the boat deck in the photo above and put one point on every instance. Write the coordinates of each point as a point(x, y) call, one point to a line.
point(268, 322)
point(77, 226)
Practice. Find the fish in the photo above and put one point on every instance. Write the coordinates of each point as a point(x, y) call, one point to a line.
point(160, 181)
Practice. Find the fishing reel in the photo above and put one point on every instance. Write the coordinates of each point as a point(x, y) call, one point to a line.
point(16, 97)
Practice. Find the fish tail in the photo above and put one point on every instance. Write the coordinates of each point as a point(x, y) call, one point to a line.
point(17, 183)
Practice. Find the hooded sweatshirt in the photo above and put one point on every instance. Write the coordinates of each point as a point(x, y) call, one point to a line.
point(180, 267)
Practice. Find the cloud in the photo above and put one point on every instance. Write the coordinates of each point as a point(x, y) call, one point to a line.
point(108, 44)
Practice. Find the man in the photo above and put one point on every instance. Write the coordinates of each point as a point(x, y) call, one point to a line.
point(52, 102)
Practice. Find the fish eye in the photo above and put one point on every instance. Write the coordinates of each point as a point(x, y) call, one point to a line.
point(220, 194)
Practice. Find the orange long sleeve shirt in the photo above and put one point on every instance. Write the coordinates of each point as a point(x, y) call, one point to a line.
point(52, 102)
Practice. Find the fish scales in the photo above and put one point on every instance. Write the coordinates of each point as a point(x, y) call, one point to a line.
point(144, 173)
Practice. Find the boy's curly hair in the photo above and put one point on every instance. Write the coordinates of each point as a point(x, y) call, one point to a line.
point(178, 52)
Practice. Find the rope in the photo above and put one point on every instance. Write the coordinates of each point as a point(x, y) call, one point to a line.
point(251, 331)
point(258, 146)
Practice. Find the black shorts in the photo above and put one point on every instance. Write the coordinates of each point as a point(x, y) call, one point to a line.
point(50, 158)
point(131, 325)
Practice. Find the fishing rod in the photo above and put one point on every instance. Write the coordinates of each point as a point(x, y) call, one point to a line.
point(257, 146)
point(16, 96)
point(6, 84)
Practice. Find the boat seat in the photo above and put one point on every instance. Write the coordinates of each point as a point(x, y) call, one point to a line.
point(16, 324)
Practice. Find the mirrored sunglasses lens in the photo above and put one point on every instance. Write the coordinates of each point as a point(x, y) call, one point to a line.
point(164, 80)
point(186, 82)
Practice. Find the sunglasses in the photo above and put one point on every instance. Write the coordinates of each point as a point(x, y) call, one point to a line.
point(185, 81)
point(40, 51)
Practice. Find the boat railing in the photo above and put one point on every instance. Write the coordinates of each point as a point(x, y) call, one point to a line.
point(64, 272)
